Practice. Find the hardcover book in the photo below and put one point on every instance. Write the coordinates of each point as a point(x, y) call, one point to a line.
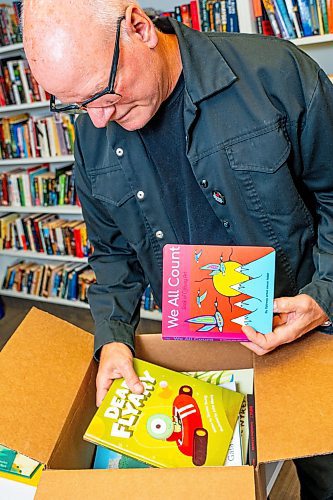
point(178, 421)
point(210, 292)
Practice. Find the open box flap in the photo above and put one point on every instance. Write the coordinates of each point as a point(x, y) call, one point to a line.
point(229, 483)
point(42, 369)
point(294, 406)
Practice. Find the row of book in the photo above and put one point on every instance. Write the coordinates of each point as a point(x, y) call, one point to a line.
point(44, 233)
point(17, 83)
point(38, 186)
point(293, 18)
point(207, 15)
point(69, 281)
point(25, 136)
point(10, 31)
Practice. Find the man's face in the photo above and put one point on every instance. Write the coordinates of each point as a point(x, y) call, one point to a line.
point(137, 81)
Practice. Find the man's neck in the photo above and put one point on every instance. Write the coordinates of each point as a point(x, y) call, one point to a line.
point(172, 63)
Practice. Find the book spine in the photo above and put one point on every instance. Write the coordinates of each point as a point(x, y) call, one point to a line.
point(269, 7)
point(304, 11)
point(223, 15)
point(232, 17)
point(204, 16)
point(292, 11)
point(329, 5)
point(314, 17)
point(194, 10)
point(324, 14)
point(252, 431)
point(287, 24)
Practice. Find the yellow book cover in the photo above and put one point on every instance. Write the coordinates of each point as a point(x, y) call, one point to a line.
point(178, 421)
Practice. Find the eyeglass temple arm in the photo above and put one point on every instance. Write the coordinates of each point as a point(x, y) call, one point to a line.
point(116, 55)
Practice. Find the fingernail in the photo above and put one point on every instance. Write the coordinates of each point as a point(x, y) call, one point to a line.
point(137, 387)
point(275, 307)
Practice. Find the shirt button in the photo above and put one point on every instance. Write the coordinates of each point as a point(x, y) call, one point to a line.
point(140, 195)
point(226, 223)
point(159, 235)
point(204, 183)
point(119, 152)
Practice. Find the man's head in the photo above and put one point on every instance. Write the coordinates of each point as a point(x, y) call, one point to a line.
point(70, 45)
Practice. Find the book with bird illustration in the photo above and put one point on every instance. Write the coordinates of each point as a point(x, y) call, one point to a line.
point(210, 292)
point(178, 421)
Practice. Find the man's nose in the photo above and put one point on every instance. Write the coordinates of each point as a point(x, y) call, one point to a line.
point(101, 116)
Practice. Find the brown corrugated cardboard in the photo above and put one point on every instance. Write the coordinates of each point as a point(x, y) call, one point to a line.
point(48, 390)
point(206, 483)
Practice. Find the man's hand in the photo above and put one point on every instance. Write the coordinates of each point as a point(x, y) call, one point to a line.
point(116, 361)
point(294, 317)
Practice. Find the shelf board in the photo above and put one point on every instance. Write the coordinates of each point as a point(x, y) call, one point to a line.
point(52, 300)
point(27, 254)
point(22, 107)
point(11, 48)
point(37, 161)
point(311, 40)
point(153, 315)
point(57, 209)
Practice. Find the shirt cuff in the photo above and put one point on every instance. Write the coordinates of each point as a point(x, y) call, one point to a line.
point(113, 331)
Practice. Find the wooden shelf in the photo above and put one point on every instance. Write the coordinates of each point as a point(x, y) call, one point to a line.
point(23, 107)
point(5, 49)
point(27, 254)
point(57, 209)
point(152, 315)
point(37, 161)
point(311, 40)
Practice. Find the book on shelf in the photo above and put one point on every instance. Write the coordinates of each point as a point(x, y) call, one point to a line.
point(168, 425)
point(10, 32)
point(45, 233)
point(210, 292)
point(38, 186)
point(69, 281)
point(27, 136)
point(17, 83)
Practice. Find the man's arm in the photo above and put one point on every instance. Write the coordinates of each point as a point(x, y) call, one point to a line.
point(296, 316)
point(115, 298)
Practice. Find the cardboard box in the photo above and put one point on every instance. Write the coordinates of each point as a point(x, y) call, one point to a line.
point(47, 396)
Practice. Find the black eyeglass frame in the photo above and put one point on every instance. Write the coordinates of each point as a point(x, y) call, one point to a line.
point(108, 90)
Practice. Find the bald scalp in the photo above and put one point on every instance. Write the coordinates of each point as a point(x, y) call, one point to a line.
point(69, 37)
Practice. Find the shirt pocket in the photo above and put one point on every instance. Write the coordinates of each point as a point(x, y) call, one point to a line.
point(110, 185)
point(259, 161)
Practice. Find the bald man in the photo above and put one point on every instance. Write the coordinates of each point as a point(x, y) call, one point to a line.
point(191, 138)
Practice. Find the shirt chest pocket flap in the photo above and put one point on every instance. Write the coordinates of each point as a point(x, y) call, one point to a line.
point(262, 151)
point(110, 185)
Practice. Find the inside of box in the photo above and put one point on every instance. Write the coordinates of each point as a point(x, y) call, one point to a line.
point(179, 356)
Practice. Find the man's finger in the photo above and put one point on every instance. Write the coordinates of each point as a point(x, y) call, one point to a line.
point(131, 379)
point(103, 384)
point(254, 348)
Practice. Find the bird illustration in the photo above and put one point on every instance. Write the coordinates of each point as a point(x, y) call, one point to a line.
point(197, 255)
point(209, 322)
point(201, 297)
point(215, 268)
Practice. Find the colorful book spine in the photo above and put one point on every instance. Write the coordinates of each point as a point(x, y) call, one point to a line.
point(304, 10)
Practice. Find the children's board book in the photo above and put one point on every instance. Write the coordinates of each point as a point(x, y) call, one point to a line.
point(178, 421)
point(15, 463)
point(210, 292)
point(109, 459)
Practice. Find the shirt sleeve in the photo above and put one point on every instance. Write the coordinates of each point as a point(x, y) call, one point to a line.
point(116, 297)
point(317, 153)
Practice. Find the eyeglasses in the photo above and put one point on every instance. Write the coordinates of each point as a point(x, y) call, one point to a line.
point(81, 108)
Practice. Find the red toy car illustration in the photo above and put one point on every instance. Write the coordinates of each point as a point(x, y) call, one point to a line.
point(185, 427)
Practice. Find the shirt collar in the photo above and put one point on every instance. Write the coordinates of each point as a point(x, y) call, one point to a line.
point(205, 69)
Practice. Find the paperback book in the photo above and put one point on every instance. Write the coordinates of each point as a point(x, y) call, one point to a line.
point(178, 421)
point(210, 292)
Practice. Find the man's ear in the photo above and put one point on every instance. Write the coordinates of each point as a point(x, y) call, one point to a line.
point(139, 25)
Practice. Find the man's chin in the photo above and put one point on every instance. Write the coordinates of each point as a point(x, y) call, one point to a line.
point(131, 124)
